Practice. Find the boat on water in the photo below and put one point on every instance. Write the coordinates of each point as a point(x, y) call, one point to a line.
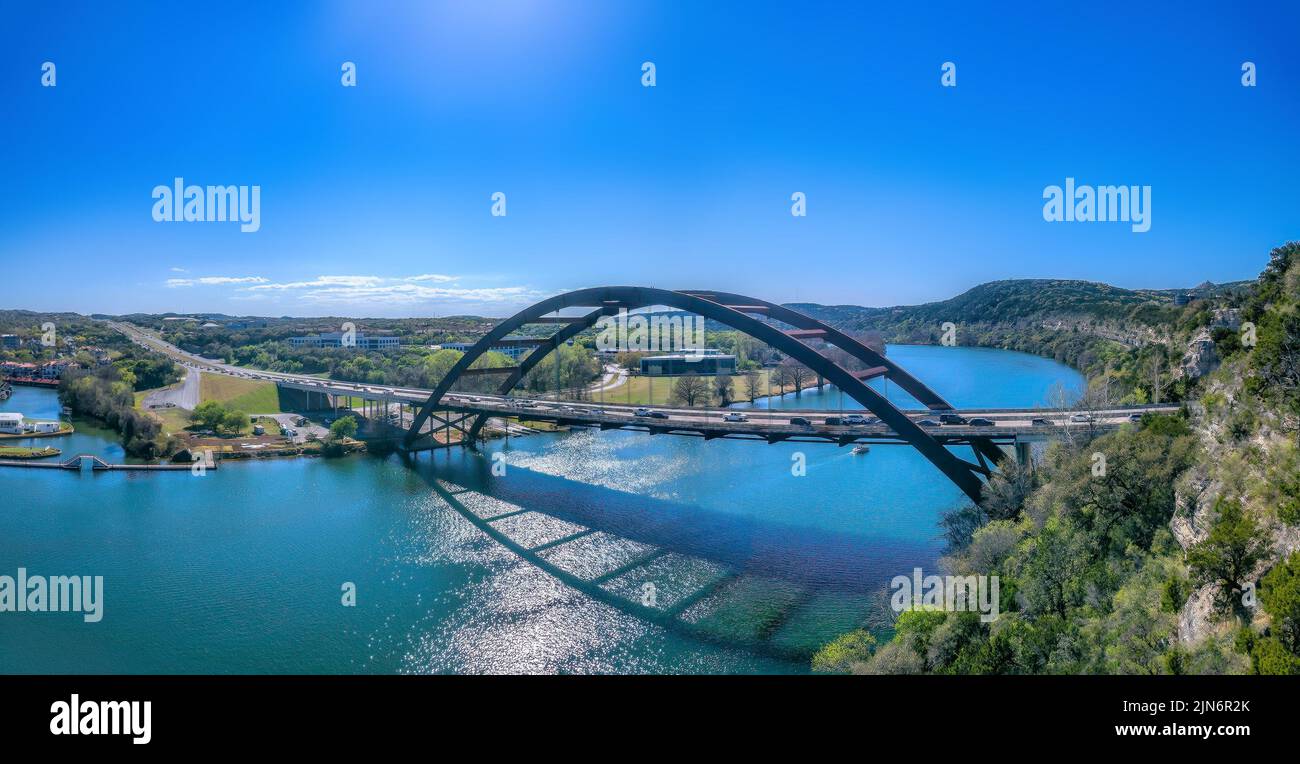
point(861, 449)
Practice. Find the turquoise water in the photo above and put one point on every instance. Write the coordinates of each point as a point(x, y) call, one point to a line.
point(241, 570)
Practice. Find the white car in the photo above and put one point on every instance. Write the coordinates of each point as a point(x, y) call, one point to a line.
point(1081, 418)
point(733, 417)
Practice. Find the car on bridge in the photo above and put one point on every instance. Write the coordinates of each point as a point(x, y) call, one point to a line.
point(734, 417)
point(1039, 421)
point(927, 423)
point(952, 419)
point(799, 421)
point(1135, 417)
point(1081, 418)
point(981, 422)
point(855, 419)
point(832, 421)
point(648, 413)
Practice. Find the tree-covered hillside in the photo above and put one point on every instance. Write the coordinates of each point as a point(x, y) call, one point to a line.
point(1171, 546)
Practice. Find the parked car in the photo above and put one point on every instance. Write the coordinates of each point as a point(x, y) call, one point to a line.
point(799, 421)
point(734, 417)
point(952, 419)
point(980, 421)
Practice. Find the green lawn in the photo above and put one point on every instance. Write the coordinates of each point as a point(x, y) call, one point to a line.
point(637, 390)
point(26, 452)
point(247, 395)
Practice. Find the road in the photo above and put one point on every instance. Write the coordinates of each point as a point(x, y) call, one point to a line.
point(615, 376)
point(1023, 423)
point(182, 395)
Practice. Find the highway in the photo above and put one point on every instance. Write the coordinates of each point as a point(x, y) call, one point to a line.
point(1006, 425)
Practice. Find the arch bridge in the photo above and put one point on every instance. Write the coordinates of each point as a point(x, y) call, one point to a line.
point(758, 319)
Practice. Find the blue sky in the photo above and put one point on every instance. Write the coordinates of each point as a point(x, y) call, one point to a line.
point(376, 200)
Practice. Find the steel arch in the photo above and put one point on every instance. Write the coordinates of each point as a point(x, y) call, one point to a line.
point(733, 310)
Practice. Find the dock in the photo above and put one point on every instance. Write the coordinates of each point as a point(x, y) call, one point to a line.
point(99, 465)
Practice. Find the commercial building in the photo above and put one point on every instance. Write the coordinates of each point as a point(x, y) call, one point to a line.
point(336, 340)
point(706, 363)
point(11, 423)
point(515, 347)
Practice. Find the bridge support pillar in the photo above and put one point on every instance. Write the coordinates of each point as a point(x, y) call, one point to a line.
point(1024, 456)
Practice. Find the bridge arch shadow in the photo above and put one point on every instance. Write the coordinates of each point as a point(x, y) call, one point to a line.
point(714, 559)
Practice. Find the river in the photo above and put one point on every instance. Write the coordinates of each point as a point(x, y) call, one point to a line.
point(743, 566)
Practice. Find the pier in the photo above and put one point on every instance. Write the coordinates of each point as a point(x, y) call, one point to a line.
point(99, 465)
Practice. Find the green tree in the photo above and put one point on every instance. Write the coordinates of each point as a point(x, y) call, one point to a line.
point(847, 651)
point(1052, 568)
point(209, 414)
point(1233, 549)
point(233, 422)
point(1280, 596)
point(343, 427)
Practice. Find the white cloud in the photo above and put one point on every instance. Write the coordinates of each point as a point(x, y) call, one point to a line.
point(428, 290)
point(406, 293)
point(215, 281)
point(324, 281)
point(438, 277)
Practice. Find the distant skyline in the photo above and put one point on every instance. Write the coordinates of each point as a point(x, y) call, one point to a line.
point(375, 200)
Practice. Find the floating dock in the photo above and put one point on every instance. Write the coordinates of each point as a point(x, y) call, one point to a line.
point(97, 464)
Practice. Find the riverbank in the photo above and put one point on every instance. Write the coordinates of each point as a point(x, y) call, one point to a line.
point(738, 549)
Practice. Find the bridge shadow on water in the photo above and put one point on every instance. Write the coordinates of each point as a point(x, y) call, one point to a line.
point(775, 587)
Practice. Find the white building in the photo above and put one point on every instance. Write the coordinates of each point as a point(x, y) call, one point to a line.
point(337, 340)
point(11, 423)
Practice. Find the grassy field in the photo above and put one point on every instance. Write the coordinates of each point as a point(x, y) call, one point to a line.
point(173, 420)
point(247, 395)
point(25, 452)
point(637, 390)
point(272, 426)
